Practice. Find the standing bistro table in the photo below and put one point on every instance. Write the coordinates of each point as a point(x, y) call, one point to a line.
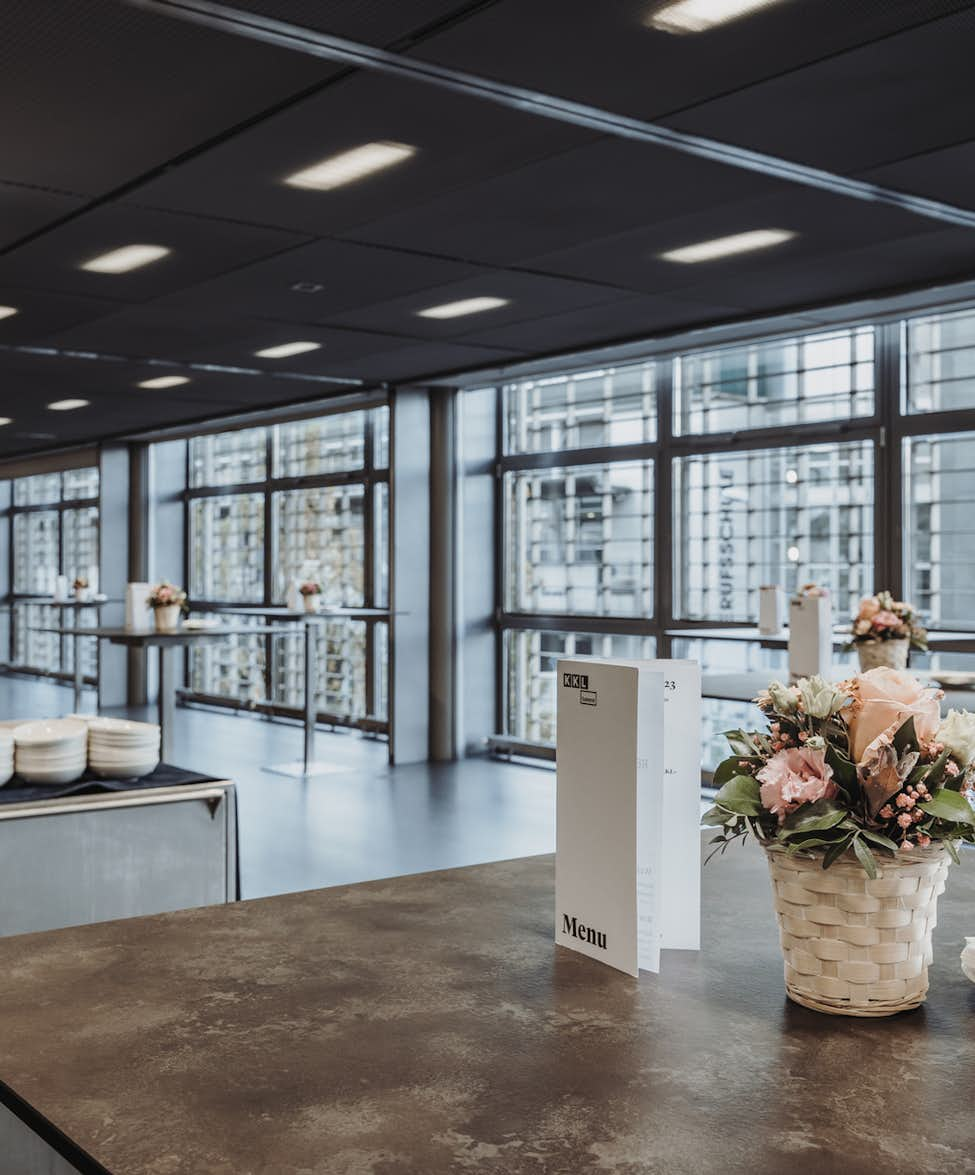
point(307, 765)
point(74, 606)
point(166, 643)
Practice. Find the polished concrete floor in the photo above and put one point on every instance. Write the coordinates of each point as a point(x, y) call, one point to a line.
point(363, 821)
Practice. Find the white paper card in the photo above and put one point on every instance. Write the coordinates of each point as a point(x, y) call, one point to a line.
point(627, 825)
point(771, 610)
point(810, 636)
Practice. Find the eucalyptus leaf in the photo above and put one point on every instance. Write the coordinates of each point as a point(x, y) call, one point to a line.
point(740, 795)
point(878, 838)
point(725, 770)
point(952, 850)
point(713, 817)
point(741, 743)
point(813, 818)
point(949, 805)
point(905, 737)
point(934, 777)
point(832, 854)
point(865, 857)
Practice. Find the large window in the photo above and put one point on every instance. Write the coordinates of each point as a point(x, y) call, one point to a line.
point(53, 531)
point(795, 459)
point(307, 499)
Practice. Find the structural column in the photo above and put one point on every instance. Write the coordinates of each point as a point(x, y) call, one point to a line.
point(113, 572)
point(443, 554)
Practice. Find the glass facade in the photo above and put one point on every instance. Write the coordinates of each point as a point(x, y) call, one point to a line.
point(53, 520)
point(303, 500)
point(641, 501)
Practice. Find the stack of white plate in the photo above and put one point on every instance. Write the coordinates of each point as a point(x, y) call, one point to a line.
point(119, 749)
point(51, 750)
point(6, 755)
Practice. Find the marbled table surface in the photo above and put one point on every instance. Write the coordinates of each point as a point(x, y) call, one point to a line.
point(428, 1025)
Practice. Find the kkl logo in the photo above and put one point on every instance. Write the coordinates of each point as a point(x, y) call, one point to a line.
point(575, 680)
point(595, 938)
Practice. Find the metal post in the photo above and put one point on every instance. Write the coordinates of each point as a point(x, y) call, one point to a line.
point(167, 701)
point(310, 712)
point(79, 677)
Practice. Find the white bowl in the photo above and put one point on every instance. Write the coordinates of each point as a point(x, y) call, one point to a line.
point(49, 732)
point(64, 775)
point(126, 771)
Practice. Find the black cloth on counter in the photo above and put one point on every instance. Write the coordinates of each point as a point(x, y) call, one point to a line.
point(165, 775)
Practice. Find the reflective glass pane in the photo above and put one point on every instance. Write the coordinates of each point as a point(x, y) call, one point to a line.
point(229, 458)
point(808, 378)
point(227, 549)
point(381, 555)
point(80, 542)
point(33, 647)
point(339, 662)
point(320, 535)
point(789, 516)
point(612, 406)
point(940, 362)
point(579, 539)
point(36, 552)
point(38, 490)
point(531, 657)
point(380, 432)
point(328, 444)
point(232, 667)
point(80, 483)
point(939, 532)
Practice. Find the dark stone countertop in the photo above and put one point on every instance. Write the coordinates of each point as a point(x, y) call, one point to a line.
point(428, 1025)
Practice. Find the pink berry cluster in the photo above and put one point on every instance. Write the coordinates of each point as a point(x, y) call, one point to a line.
point(907, 814)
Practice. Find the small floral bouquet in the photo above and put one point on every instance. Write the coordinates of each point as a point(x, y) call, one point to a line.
point(310, 588)
point(167, 595)
point(867, 765)
point(811, 591)
point(882, 618)
point(80, 584)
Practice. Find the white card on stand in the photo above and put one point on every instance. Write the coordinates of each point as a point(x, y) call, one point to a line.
point(627, 826)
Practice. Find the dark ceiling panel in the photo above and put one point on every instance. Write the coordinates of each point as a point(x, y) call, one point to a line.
point(948, 174)
point(42, 313)
point(900, 96)
point(424, 359)
point(374, 22)
point(827, 226)
point(604, 55)
point(25, 210)
point(630, 317)
point(594, 191)
point(460, 140)
point(96, 93)
point(330, 275)
point(200, 250)
point(530, 295)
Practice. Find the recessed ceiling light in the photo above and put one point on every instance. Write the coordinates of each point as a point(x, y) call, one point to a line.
point(348, 166)
point(761, 238)
point(68, 405)
point(465, 306)
point(283, 350)
point(126, 258)
point(697, 16)
point(164, 381)
point(7, 311)
point(5, 420)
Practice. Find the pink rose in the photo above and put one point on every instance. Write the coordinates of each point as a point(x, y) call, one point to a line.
point(793, 777)
point(884, 700)
point(869, 607)
point(885, 619)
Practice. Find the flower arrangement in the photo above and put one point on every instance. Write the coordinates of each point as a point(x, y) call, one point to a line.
point(167, 595)
point(80, 583)
point(882, 618)
point(811, 591)
point(310, 588)
point(866, 765)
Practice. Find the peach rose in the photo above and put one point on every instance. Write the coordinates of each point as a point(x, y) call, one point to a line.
point(885, 619)
point(886, 698)
point(882, 773)
point(798, 775)
point(869, 607)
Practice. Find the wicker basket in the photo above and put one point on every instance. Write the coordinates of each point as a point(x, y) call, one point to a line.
point(889, 654)
point(853, 946)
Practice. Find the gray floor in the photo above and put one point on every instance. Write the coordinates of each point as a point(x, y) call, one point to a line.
point(366, 820)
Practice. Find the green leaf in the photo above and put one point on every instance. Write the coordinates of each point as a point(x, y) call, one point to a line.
point(865, 857)
point(714, 817)
point(740, 795)
point(726, 770)
point(949, 805)
point(934, 777)
point(800, 845)
point(813, 818)
point(844, 772)
point(837, 850)
point(877, 838)
point(741, 743)
point(952, 850)
point(906, 737)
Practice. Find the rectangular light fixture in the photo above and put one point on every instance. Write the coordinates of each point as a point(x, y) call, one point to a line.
point(284, 350)
point(4, 420)
point(68, 405)
point(7, 311)
point(164, 381)
point(697, 16)
point(465, 306)
point(127, 258)
point(760, 238)
point(349, 166)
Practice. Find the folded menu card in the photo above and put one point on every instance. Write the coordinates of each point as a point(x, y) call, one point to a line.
point(628, 849)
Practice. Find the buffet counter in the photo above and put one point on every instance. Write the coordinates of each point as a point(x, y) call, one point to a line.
point(428, 1024)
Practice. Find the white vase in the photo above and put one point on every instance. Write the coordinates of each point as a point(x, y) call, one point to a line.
point(167, 618)
point(312, 603)
point(82, 595)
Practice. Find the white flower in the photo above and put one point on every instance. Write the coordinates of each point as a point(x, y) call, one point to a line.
point(968, 959)
point(820, 698)
point(783, 697)
point(957, 733)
